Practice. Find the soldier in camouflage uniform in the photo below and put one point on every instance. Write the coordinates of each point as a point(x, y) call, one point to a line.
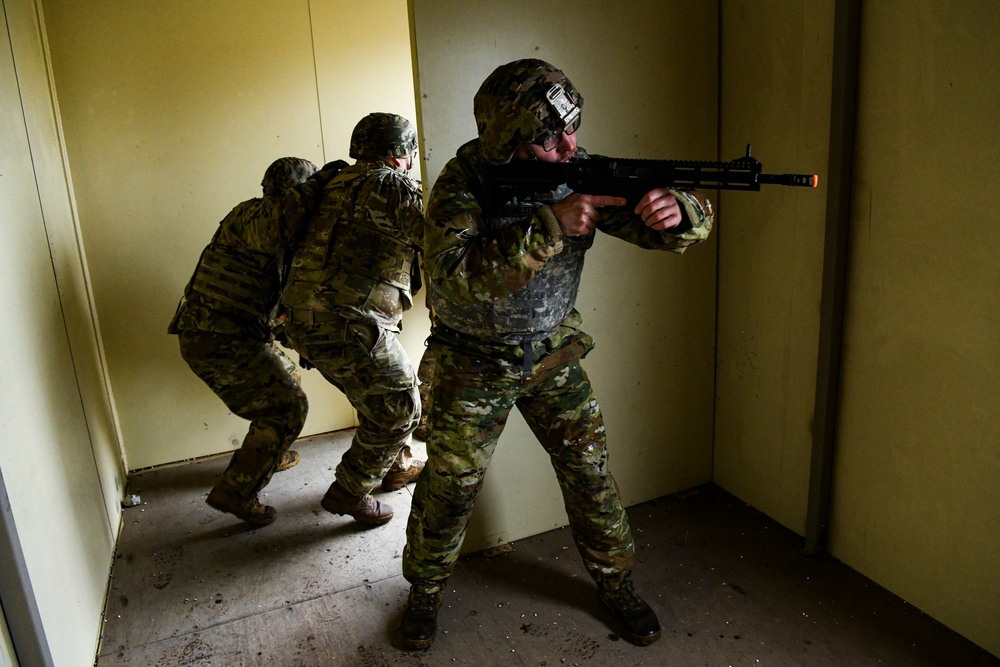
point(503, 283)
point(223, 324)
point(351, 279)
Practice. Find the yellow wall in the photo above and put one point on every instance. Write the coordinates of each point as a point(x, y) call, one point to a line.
point(652, 314)
point(915, 493)
point(775, 88)
point(60, 458)
point(172, 112)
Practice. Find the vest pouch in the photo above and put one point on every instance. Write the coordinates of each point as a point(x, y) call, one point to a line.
point(244, 285)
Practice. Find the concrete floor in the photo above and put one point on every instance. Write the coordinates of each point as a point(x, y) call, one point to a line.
point(192, 586)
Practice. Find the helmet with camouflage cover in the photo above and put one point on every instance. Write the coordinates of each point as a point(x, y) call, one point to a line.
point(284, 173)
point(524, 101)
point(382, 135)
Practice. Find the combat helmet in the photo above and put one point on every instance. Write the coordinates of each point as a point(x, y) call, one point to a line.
point(524, 101)
point(382, 135)
point(284, 173)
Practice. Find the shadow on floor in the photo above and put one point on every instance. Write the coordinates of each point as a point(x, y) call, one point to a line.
point(191, 586)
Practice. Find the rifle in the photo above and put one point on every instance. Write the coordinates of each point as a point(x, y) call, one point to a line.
point(632, 178)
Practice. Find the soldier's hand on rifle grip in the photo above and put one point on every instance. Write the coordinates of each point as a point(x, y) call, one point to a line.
point(578, 215)
point(659, 209)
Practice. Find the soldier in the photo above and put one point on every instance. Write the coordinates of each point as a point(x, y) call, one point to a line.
point(351, 279)
point(223, 324)
point(503, 280)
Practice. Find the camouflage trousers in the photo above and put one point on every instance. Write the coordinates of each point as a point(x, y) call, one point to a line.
point(252, 378)
point(472, 397)
point(371, 367)
point(425, 373)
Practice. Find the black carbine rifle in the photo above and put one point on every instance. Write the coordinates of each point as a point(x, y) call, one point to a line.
point(631, 178)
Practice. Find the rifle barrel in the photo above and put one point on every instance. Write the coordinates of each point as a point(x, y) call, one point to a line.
point(803, 180)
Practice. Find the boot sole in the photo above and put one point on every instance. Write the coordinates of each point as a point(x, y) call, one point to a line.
point(417, 644)
point(636, 640)
point(292, 462)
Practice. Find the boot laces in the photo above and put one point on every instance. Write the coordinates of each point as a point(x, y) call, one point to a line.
point(253, 505)
point(625, 597)
point(423, 603)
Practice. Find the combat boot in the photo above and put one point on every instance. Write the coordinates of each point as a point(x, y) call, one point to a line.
point(636, 618)
point(363, 508)
point(289, 459)
point(397, 479)
point(249, 509)
point(419, 625)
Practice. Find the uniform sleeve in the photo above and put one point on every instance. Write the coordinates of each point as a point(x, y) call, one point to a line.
point(470, 263)
point(253, 226)
point(696, 226)
point(396, 206)
point(269, 225)
point(295, 206)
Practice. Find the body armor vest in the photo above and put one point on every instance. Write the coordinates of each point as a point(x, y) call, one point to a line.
point(535, 311)
point(241, 280)
point(345, 261)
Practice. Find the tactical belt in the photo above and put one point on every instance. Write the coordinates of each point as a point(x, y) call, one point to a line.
point(311, 316)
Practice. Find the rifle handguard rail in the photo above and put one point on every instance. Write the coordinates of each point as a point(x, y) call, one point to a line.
point(633, 177)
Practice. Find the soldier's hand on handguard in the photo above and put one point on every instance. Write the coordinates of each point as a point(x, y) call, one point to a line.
point(578, 214)
point(659, 209)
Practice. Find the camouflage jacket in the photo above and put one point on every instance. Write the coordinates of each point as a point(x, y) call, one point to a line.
point(480, 266)
point(237, 283)
point(358, 256)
